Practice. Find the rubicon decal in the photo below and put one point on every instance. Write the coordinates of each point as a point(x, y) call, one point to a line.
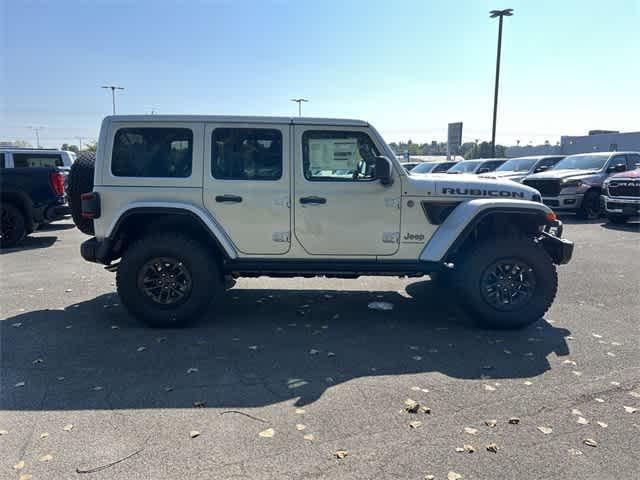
point(481, 193)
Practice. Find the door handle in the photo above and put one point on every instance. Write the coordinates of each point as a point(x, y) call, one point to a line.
point(313, 200)
point(228, 198)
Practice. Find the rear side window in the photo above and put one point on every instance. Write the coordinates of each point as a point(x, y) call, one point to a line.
point(36, 160)
point(152, 152)
point(246, 154)
point(443, 167)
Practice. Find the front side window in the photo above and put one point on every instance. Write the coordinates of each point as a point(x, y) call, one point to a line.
point(443, 167)
point(152, 152)
point(338, 156)
point(547, 162)
point(619, 159)
point(246, 154)
point(517, 165)
point(582, 162)
point(633, 161)
point(492, 165)
point(464, 167)
point(36, 160)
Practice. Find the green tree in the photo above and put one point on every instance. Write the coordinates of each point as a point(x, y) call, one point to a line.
point(91, 146)
point(70, 148)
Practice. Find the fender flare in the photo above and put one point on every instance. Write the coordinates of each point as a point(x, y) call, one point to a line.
point(461, 222)
point(207, 221)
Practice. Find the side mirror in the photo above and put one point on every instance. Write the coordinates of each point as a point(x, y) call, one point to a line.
point(383, 171)
point(618, 167)
point(482, 170)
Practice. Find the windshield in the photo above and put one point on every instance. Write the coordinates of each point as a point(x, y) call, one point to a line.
point(423, 167)
point(582, 162)
point(517, 165)
point(464, 167)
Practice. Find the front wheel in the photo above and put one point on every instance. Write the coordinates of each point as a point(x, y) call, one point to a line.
point(507, 283)
point(167, 279)
point(590, 209)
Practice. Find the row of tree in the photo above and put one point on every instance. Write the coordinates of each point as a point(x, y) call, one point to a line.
point(468, 150)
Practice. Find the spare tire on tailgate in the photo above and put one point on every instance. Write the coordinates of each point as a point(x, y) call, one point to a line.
point(81, 181)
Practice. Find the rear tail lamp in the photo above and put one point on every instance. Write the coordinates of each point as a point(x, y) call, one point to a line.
point(90, 204)
point(57, 183)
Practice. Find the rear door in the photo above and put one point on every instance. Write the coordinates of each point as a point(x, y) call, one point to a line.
point(247, 184)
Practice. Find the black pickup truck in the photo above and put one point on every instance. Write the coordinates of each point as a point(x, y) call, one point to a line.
point(29, 197)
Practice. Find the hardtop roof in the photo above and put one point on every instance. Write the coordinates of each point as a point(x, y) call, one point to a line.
point(239, 119)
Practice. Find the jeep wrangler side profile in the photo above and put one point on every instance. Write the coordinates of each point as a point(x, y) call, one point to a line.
point(188, 202)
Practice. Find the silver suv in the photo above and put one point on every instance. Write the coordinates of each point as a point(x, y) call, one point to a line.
point(575, 182)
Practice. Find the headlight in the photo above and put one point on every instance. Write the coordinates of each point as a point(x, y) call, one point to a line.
point(573, 183)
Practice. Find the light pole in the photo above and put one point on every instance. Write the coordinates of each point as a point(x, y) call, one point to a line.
point(113, 94)
point(299, 102)
point(37, 130)
point(80, 140)
point(493, 14)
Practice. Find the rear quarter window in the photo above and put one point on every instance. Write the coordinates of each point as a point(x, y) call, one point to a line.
point(152, 152)
point(36, 160)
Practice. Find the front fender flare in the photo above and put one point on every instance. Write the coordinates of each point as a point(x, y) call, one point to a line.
point(467, 215)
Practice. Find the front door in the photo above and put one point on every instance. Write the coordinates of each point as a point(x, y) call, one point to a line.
point(247, 185)
point(340, 208)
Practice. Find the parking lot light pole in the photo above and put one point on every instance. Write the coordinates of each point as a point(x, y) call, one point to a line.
point(37, 130)
point(113, 94)
point(299, 102)
point(493, 14)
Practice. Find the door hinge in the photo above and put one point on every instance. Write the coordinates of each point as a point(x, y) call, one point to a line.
point(392, 202)
point(391, 237)
point(281, 237)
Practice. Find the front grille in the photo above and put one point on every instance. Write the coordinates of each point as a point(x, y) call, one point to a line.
point(624, 188)
point(547, 188)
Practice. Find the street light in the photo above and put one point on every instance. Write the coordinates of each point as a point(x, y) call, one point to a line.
point(299, 102)
point(37, 130)
point(113, 94)
point(493, 14)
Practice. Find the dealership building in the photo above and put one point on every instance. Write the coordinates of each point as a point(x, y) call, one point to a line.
point(596, 141)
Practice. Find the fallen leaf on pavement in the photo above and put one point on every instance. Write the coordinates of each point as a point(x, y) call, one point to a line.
point(19, 384)
point(68, 427)
point(268, 433)
point(25, 476)
point(46, 458)
point(528, 383)
point(570, 362)
point(415, 424)
point(411, 406)
point(199, 404)
point(37, 360)
point(97, 388)
point(17, 324)
point(514, 420)
point(599, 400)
point(470, 430)
point(489, 388)
point(300, 411)
point(194, 433)
point(576, 373)
point(602, 424)
point(192, 370)
point(20, 465)
point(429, 477)
point(141, 348)
point(341, 453)
point(595, 335)
point(453, 476)
point(630, 409)
point(3, 432)
point(417, 358)
point(492, 447)
point(545, 430)
point(308, 437)
point(44, 435)
point(574, 451)
point(300, 426)
point(253, 347)
point(331, 354)
point(575, 411)
point(381, 306)
point(635, 394)
point(313, 351)
point(582, 421)
point(590, 442)
point(491, 423)
point(468, 448)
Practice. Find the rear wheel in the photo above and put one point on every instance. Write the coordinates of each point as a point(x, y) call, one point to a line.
point(590, 209)
point(12, 225)
point(507, 283)
point(167, 280)
point(618, 219)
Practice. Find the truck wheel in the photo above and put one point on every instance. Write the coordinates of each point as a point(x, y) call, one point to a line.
point(590, 209)
point(167, 280)
point(12, 225)
point(507, 283)
point(81, 181)
point(618, 219)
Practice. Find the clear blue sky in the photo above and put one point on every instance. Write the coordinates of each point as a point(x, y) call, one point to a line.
point(408, 67)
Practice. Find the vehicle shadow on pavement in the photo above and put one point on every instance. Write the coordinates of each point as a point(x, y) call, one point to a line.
point(630, 226)
point(51, 227)
point(31, 243)
point(260, 347)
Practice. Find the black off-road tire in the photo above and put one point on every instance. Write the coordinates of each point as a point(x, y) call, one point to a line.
point(12, 226)
point(197, 260)
point(618, 219)
point(471, 268)
point(81, 181)
point(591, 208)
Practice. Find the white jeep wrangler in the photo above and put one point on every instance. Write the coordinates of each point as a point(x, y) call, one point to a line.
point(187, 202)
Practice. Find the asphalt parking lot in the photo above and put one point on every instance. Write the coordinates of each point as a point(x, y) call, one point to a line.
point(285, 373)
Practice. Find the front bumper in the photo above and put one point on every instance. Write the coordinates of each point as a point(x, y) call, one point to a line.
point(571, 201)
point(559, 249)
point(96, 251)
point(621, 206)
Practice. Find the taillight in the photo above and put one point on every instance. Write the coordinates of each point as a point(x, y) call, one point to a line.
point(57, 183)
point(90, 204)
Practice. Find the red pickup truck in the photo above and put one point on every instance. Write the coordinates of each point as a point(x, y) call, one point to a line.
point(621, 196)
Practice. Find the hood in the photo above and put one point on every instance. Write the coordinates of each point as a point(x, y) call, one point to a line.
point(562, 174)
point(630, 174)
point(468, 186)
point(507, 174)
